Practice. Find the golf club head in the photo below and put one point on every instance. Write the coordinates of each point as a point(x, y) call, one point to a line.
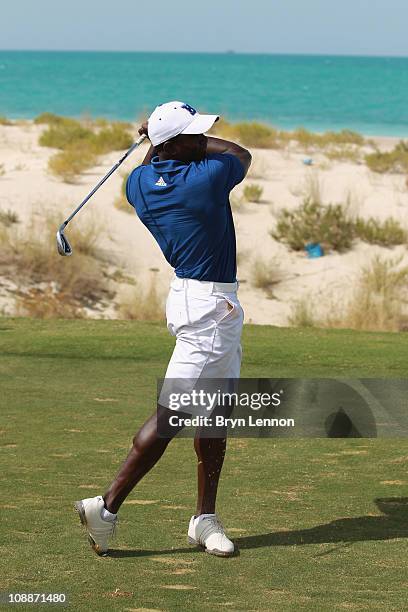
point(63, 246)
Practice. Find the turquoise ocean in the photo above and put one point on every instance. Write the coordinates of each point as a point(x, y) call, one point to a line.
point(367, 94)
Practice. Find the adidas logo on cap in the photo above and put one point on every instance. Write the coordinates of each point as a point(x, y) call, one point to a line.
point(161, 182)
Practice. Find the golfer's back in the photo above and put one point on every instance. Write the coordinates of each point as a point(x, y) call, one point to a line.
point(186, 208)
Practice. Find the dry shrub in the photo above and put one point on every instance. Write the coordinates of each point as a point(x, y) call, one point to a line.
point(80, 143)
point(310, 188)
point(379, 300)
point(8, 217)
point(51, 119)
point(56, 286)
point(258, 168)
point(266, 275)
point(311, 140)
point(395, 161)
point(70, 164)
point(237, 203)
point(121, 202)
point(260, 135)
point(139, 305)
point(250, 134)
point(257, 135)
point(301, 315)
point(253, 192)
point(312, 222)
point(68, 133)
point(344, 153)
point(47, 303)
point(388, 233)
point(113, 138)
point(65, 135)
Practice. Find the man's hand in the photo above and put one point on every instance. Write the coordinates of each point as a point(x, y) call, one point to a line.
point(143, 129)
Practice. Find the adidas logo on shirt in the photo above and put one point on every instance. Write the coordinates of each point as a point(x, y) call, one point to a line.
point(161, 182)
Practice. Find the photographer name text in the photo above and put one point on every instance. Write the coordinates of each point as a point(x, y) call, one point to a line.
point(221, 421)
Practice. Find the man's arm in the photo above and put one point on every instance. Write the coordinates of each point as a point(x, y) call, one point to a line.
point(217, 145)
point(152, 152)
point(149, 155)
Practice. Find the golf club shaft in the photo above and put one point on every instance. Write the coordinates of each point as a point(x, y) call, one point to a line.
point(105, 178)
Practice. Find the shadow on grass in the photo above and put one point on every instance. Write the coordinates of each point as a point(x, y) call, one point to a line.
point(130, 552)
point(362, 528)
point(359, 529)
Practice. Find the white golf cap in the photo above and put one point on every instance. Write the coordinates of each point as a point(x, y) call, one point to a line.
point(174, 118)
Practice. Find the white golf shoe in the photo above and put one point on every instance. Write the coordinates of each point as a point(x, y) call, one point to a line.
point(207, 531)
point(99, 529)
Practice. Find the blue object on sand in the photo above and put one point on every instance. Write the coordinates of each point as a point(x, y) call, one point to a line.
point(308, 161)
point(314, 249)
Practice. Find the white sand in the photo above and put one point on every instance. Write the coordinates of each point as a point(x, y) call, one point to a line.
point(327, 281)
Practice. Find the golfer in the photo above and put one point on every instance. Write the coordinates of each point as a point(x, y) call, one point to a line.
point(181, 194)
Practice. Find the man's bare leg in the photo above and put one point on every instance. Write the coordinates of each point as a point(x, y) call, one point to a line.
point(210, 454)
point(147, 449)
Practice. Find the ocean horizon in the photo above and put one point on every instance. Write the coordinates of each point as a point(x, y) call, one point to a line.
point(368, 94)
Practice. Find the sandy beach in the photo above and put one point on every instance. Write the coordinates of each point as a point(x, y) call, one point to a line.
point(326, 282)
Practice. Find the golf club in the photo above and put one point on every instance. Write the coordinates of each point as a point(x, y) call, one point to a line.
point(63, 245)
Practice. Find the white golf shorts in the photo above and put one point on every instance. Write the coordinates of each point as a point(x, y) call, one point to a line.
point(206, 318)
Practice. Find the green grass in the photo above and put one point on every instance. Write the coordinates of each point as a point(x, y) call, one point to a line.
point(303, 512)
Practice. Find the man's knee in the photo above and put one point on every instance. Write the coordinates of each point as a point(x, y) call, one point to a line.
point(166, 428)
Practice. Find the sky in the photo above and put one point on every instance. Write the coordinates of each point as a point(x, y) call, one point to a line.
point(338, 27)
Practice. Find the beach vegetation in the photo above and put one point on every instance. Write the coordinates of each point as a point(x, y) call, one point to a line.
point(80, 144)
point(301, 315)
point(65, 135)
point(249, 134)
point(8, 217)
point(237, 202)
point(115, 137)
point(343, 137)
point(388, 233)
point(52, 286)
point(139, 305)
point(2, 170)
point(258, 168)
point(263, 136)
point(377, 304)
point(266, 274)
point(121, 202)
point(253, 192)
point(5, 121)
point(52, 119)
point(70, 133)
point(101, 122)
point(68, 165)
point(258, 135)
point(313, 140)
point(395, 161)
point(313, 188)
point(343, 153)
point(329, 225)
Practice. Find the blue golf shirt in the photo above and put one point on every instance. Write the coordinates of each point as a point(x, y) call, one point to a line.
point(186, 207)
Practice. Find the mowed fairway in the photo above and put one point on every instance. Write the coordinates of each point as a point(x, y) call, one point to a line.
point(310, 516)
